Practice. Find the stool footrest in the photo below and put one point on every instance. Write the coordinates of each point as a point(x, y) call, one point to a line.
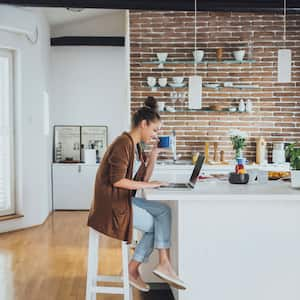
point(107, 278)
point(107, 290)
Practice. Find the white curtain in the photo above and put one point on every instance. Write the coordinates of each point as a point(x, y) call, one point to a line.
point(6, 134)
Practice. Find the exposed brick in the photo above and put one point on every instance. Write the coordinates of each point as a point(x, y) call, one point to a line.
point(276, 105)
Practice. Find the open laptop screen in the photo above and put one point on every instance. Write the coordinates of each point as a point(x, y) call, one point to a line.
point(197, 169)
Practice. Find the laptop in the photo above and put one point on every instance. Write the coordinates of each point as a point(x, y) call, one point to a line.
point(193, 178)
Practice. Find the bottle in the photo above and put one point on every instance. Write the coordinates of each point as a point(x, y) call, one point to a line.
point(278, 153)
point(261, 151)
point(249, 106)
point(241, 106)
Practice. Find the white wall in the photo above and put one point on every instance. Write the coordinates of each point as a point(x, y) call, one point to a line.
point(110, 24)
point(32, 146)
point(89, 84)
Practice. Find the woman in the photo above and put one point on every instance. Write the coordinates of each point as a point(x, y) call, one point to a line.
point(115, 210)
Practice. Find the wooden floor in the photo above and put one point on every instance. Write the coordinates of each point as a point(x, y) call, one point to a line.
point(49, 261)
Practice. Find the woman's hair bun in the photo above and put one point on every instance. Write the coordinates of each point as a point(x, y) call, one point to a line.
point(151, 102)
point(148, 112)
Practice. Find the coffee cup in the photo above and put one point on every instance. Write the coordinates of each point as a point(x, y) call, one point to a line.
point(151, 81)
point(162, 81)
point(262, 176)
point(164, 141)
point(162, 57)
point(198, 55)
point(228, 84)
point(252, 175)
point(239, 55)
point(161, 105)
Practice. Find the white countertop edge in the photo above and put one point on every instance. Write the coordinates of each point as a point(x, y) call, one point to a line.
point(221, 198)
point(74, 164)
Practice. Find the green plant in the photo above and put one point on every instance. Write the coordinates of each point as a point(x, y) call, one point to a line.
point(238, 139)
point(238, 142)
point(293, 151)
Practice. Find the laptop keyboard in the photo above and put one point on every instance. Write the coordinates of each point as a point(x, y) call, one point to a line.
point(176, 185)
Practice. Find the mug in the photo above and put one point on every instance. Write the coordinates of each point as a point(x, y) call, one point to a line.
point(151, 81)
point(162, 81)
point(262, 176)
point(198, 55)
point(228, 84)
point(161, 105)
point(164, 141)
point(253, 173)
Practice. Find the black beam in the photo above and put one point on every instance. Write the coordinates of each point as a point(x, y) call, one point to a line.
point(187, 5)
point(88, 41)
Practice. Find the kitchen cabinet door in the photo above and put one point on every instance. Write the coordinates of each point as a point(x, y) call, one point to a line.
point(73, 186)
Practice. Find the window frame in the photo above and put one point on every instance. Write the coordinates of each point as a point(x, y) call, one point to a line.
point(9, 55)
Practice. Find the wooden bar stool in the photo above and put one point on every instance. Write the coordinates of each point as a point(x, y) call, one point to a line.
point(92, 272)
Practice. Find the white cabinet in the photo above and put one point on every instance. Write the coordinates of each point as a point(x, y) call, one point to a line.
point(73, 185)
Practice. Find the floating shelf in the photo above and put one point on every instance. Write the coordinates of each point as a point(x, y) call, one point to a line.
point(205, 109)
point(239, 87)
point(176, 62)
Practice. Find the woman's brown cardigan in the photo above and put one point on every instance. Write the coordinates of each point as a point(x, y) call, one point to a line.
point(111, 210)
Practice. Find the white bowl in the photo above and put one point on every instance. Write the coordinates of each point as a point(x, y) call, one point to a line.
point(162, 57)
point(212, 85)
point(177, 79)
point(198, 55)
point(239, 55)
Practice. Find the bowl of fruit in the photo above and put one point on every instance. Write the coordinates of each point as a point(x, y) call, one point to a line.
point(240, 176)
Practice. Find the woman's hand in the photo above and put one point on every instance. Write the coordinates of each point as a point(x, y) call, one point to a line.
point(154, 184)
point(156, 150)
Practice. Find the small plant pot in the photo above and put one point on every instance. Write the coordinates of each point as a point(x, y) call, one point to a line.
point(295, 179)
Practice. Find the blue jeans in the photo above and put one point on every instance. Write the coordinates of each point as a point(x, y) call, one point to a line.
point(154, 219)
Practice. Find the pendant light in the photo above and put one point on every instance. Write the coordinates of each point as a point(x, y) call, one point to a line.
point(195, 82)
point(284, 56)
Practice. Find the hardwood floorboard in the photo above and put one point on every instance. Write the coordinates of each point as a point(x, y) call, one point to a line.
point(49, 261)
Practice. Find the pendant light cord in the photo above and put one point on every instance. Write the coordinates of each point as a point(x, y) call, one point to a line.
point(284, 24)
point(195, 36)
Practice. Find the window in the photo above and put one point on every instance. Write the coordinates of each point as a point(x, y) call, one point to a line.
point(7, 174)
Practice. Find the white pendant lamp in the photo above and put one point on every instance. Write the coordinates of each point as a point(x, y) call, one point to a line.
point(284, 56)
point(195, 82)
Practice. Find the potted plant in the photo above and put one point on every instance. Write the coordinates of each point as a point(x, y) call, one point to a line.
point(293, 151)
point(238, 139)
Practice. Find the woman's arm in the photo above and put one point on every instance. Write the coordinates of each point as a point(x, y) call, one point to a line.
point(151, 163)
point(152, 160)
point(128, 184)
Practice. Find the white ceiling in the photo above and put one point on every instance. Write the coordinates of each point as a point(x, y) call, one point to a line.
point(58, 16)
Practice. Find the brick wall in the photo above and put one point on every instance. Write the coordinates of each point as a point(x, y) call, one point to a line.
point(276, 106)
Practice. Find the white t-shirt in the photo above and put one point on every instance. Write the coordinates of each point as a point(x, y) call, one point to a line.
point(136, 163)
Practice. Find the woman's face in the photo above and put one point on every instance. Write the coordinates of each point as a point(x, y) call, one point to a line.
point(149, 131)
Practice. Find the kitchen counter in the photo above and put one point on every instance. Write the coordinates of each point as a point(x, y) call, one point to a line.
point(187, 165)
point(233, 242)
point(213, 189)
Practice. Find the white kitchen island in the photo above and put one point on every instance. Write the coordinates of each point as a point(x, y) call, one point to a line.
point(235, 242)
